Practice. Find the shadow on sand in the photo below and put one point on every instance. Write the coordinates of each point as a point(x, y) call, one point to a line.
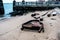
point(58, 36)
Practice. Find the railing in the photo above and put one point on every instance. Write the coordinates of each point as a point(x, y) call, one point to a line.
point(49, 3)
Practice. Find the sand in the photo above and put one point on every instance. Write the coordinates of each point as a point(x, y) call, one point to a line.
point(10, 28)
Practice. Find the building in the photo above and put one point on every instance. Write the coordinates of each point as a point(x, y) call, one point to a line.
point(14, 3)
point(1, 8)
point(23, 1)
point(57, 0)
point(41, 0)
point(51, 0)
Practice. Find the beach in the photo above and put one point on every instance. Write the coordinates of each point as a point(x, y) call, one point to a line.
point(10, 29)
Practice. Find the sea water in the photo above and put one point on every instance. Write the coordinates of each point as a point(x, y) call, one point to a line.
point(8, 7)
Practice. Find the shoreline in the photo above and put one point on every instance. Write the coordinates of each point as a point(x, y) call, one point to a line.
point(16, 22)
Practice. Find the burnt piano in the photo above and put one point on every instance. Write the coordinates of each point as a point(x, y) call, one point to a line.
point(33, 25)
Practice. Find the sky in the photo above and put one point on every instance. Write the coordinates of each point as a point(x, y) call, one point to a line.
point(10, 1)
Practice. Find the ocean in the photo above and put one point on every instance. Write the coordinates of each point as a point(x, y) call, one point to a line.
point(8, 7)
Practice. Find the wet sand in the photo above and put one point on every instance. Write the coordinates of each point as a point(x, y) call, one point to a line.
point(10, 29)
